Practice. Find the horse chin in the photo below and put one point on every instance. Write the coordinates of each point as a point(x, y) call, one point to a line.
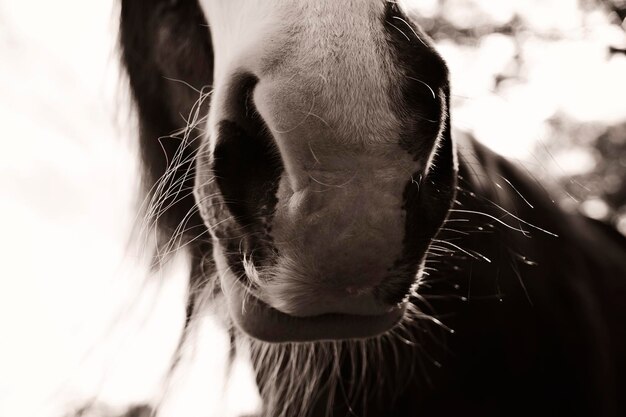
point(260, 321)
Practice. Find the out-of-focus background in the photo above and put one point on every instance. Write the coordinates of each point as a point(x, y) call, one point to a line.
point(540, 81)
point(543, 81)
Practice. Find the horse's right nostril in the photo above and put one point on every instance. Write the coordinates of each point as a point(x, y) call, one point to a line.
point(246, 161)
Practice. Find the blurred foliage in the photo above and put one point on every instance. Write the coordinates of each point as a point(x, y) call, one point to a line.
point(586, 155)
point(601, 190)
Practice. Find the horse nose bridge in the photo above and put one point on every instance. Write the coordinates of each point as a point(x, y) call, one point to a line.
point(293, 105)
point(326, 139)
point(312, 101)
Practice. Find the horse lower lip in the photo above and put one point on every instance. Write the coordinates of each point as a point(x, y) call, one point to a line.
point(265, 323)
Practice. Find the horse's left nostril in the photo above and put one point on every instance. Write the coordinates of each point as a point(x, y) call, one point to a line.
point(246, 161)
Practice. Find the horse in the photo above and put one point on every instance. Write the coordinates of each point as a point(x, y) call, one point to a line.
point(301, 154)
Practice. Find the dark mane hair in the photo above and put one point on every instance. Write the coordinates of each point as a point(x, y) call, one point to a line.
point(167, 53)
point(168, 56)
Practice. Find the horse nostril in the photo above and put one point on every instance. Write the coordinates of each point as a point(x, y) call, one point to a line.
point(238, 105)
point(246, 161)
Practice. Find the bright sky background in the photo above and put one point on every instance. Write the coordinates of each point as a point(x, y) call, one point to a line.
point(67, 182)
point(67, 275)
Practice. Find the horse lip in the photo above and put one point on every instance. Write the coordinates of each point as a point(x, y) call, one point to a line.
point(261, 321)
